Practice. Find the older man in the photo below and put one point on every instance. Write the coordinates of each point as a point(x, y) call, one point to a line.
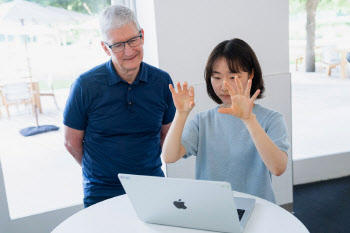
point(118, 113)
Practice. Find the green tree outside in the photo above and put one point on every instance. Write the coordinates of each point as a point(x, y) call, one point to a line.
point(73, 5)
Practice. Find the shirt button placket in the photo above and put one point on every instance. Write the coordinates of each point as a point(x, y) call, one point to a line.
point(129, 98)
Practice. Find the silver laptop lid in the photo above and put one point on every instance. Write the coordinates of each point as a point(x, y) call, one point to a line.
point(207, 205)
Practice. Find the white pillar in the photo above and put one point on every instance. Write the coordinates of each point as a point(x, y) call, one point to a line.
point(4, 210)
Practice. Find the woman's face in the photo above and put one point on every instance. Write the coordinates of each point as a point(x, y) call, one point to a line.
point(222, 73)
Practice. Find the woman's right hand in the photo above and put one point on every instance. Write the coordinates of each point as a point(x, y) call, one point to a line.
point(183, 98)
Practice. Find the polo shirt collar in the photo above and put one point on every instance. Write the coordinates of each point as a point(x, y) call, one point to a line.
point(114, 78)
point(142, 75)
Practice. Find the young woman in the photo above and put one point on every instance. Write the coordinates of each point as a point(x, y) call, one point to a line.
point(238, 141)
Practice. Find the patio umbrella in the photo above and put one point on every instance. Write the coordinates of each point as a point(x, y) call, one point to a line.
point(26, 15)
point(29, 13)
point(35, 14)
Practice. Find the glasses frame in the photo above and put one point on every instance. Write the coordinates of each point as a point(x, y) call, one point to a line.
point(123, 43)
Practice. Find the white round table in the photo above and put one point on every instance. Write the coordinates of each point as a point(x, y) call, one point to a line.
point(117, 215)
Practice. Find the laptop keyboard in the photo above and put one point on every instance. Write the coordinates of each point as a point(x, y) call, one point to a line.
point(240, 213)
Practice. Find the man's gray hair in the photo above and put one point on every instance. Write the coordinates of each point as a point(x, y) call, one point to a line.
point(116, 16)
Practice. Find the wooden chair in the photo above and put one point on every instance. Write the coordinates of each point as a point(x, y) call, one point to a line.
point(17, 93)
point(330, 58)
point(1, 99)
point(298, 60)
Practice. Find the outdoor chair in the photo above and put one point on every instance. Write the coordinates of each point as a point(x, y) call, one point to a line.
point(330, 58)
point(1, 100)
point(16, 94)
point(298, 60)
point(50, 91)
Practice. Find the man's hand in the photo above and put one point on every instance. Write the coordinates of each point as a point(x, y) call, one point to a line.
point(242, 104)
point(184, 98)
point(73, 141)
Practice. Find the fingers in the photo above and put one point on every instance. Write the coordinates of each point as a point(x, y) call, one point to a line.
point(248, 88)
point(239, 86)
point(178, 85)
point(172, 90)
point(191, 91)
point(225, 110)
point(185, 86)
point(230, 89)
point(192, 104)
point(183, 89)
point(255, 95)
point(191, 94)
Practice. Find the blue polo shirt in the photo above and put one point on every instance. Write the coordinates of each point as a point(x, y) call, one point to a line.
point(122, 124)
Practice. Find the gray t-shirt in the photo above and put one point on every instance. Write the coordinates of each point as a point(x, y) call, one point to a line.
point(226, 152)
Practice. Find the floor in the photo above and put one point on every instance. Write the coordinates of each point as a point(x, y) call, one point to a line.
point(38, 169)
point(321, 114)
point(323, 207)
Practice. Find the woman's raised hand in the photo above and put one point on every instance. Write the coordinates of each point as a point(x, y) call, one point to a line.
point(241, 103)
point(183, 98)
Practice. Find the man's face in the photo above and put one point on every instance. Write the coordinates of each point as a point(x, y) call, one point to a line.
point(131, 57)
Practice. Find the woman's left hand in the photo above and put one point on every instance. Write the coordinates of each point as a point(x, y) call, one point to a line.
point(241, 103)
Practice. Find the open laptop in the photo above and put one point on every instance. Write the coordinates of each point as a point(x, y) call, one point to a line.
point(206, 205)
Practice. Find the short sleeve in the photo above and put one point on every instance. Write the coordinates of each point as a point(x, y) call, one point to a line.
point(169, 113)
point(190, 137)
point(75, 112)
point(277, 131)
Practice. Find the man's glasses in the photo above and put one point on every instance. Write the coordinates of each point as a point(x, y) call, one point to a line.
point(120, 46)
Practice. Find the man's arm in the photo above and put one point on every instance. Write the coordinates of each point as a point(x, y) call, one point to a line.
point(73, 141)
point(163, 133)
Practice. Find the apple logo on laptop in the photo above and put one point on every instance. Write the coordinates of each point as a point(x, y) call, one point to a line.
point(180, 204)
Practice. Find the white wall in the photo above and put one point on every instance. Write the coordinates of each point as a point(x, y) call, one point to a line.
point(278, 97)
point(187, 31)
point(319, 168)
point(4, 210)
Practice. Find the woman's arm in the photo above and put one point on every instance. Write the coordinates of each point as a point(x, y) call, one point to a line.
point(172, 149)
point(242, 106)
point(274, 159)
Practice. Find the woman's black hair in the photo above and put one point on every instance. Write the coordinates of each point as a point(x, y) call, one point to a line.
point(240, 57)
